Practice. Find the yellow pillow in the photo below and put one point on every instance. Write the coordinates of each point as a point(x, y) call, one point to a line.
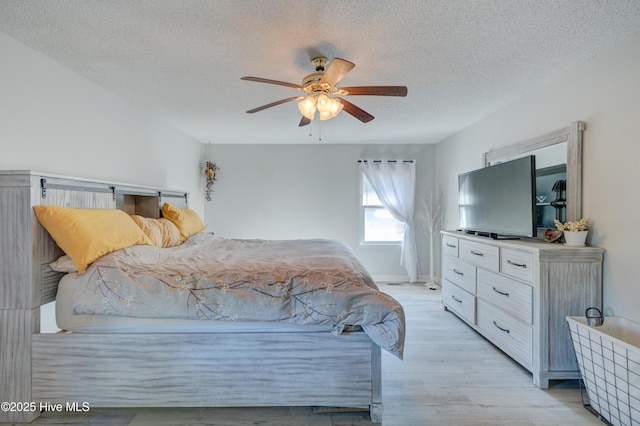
point(162, 232)
point(88, 234)
point(187, 221)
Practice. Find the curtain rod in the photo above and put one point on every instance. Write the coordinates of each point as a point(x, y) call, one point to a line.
point(388, 161)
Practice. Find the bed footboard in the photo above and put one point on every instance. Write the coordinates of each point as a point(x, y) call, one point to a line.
point(208, 370)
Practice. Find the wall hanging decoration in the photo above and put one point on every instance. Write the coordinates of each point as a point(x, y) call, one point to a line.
point(210, 170)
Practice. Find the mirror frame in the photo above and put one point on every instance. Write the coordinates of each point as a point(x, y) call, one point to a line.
point(572, 135)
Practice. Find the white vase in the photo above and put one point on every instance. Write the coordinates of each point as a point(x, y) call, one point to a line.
point(575, 238)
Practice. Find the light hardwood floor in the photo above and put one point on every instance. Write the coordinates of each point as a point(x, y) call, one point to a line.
point(450, 376)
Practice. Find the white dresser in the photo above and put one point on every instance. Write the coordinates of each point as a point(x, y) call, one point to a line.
point(517, 293)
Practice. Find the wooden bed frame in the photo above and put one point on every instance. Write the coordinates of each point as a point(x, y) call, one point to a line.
point(149, 370)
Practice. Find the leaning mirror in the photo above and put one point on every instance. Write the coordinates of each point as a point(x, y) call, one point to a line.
point(558, 171)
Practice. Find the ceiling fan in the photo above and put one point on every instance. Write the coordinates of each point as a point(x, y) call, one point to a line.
point(322, 92)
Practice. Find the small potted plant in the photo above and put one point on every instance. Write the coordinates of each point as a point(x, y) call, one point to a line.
point(575, 233)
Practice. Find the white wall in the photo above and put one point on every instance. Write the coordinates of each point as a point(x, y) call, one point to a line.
point(53, 120)
point(604, 93)
point(307, 191)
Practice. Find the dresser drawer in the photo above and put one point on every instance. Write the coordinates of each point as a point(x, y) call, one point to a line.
point(506, 332)
point(461, 273)
point(480, 254)
point(459, 301)
point(450, 246)
point(517, 263)
point(510, 295)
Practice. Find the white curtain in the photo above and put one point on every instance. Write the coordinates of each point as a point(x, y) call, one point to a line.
point(394, 182)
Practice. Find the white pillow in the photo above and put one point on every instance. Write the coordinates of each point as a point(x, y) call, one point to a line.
point(63, 264)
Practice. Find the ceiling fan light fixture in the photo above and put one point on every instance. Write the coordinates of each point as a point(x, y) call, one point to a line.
point(336, 107)
point(324, 115)
point(328, 107)
point(323, 103)
point(307, 107)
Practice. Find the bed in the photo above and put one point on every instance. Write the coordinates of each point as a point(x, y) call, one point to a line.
point(205, 352)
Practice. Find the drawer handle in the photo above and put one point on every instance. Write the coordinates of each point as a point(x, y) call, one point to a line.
point(500, 328)
point(457, 300)
point(458, 272)
point(520, 265)
point(476, 253)
point(504, 293)
point(451, 245)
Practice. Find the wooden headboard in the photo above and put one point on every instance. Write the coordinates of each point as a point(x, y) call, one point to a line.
point(26, 248)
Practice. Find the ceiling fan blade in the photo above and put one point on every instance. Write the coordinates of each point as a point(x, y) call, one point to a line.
point(272, 104)
point(337, 69)
point(304, 121)
point(266, 80)
point(357, 112)
point(374, 91)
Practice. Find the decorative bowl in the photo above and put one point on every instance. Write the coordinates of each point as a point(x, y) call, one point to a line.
point(551, 235)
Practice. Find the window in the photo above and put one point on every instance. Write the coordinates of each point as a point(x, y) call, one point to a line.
point(379, 226)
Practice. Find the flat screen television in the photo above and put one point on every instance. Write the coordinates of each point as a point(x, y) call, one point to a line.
point(500, 200)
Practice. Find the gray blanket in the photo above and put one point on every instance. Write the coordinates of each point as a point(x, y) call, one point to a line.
point(295, 281)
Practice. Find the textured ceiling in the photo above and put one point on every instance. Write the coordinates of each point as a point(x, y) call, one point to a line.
point(182, 60)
